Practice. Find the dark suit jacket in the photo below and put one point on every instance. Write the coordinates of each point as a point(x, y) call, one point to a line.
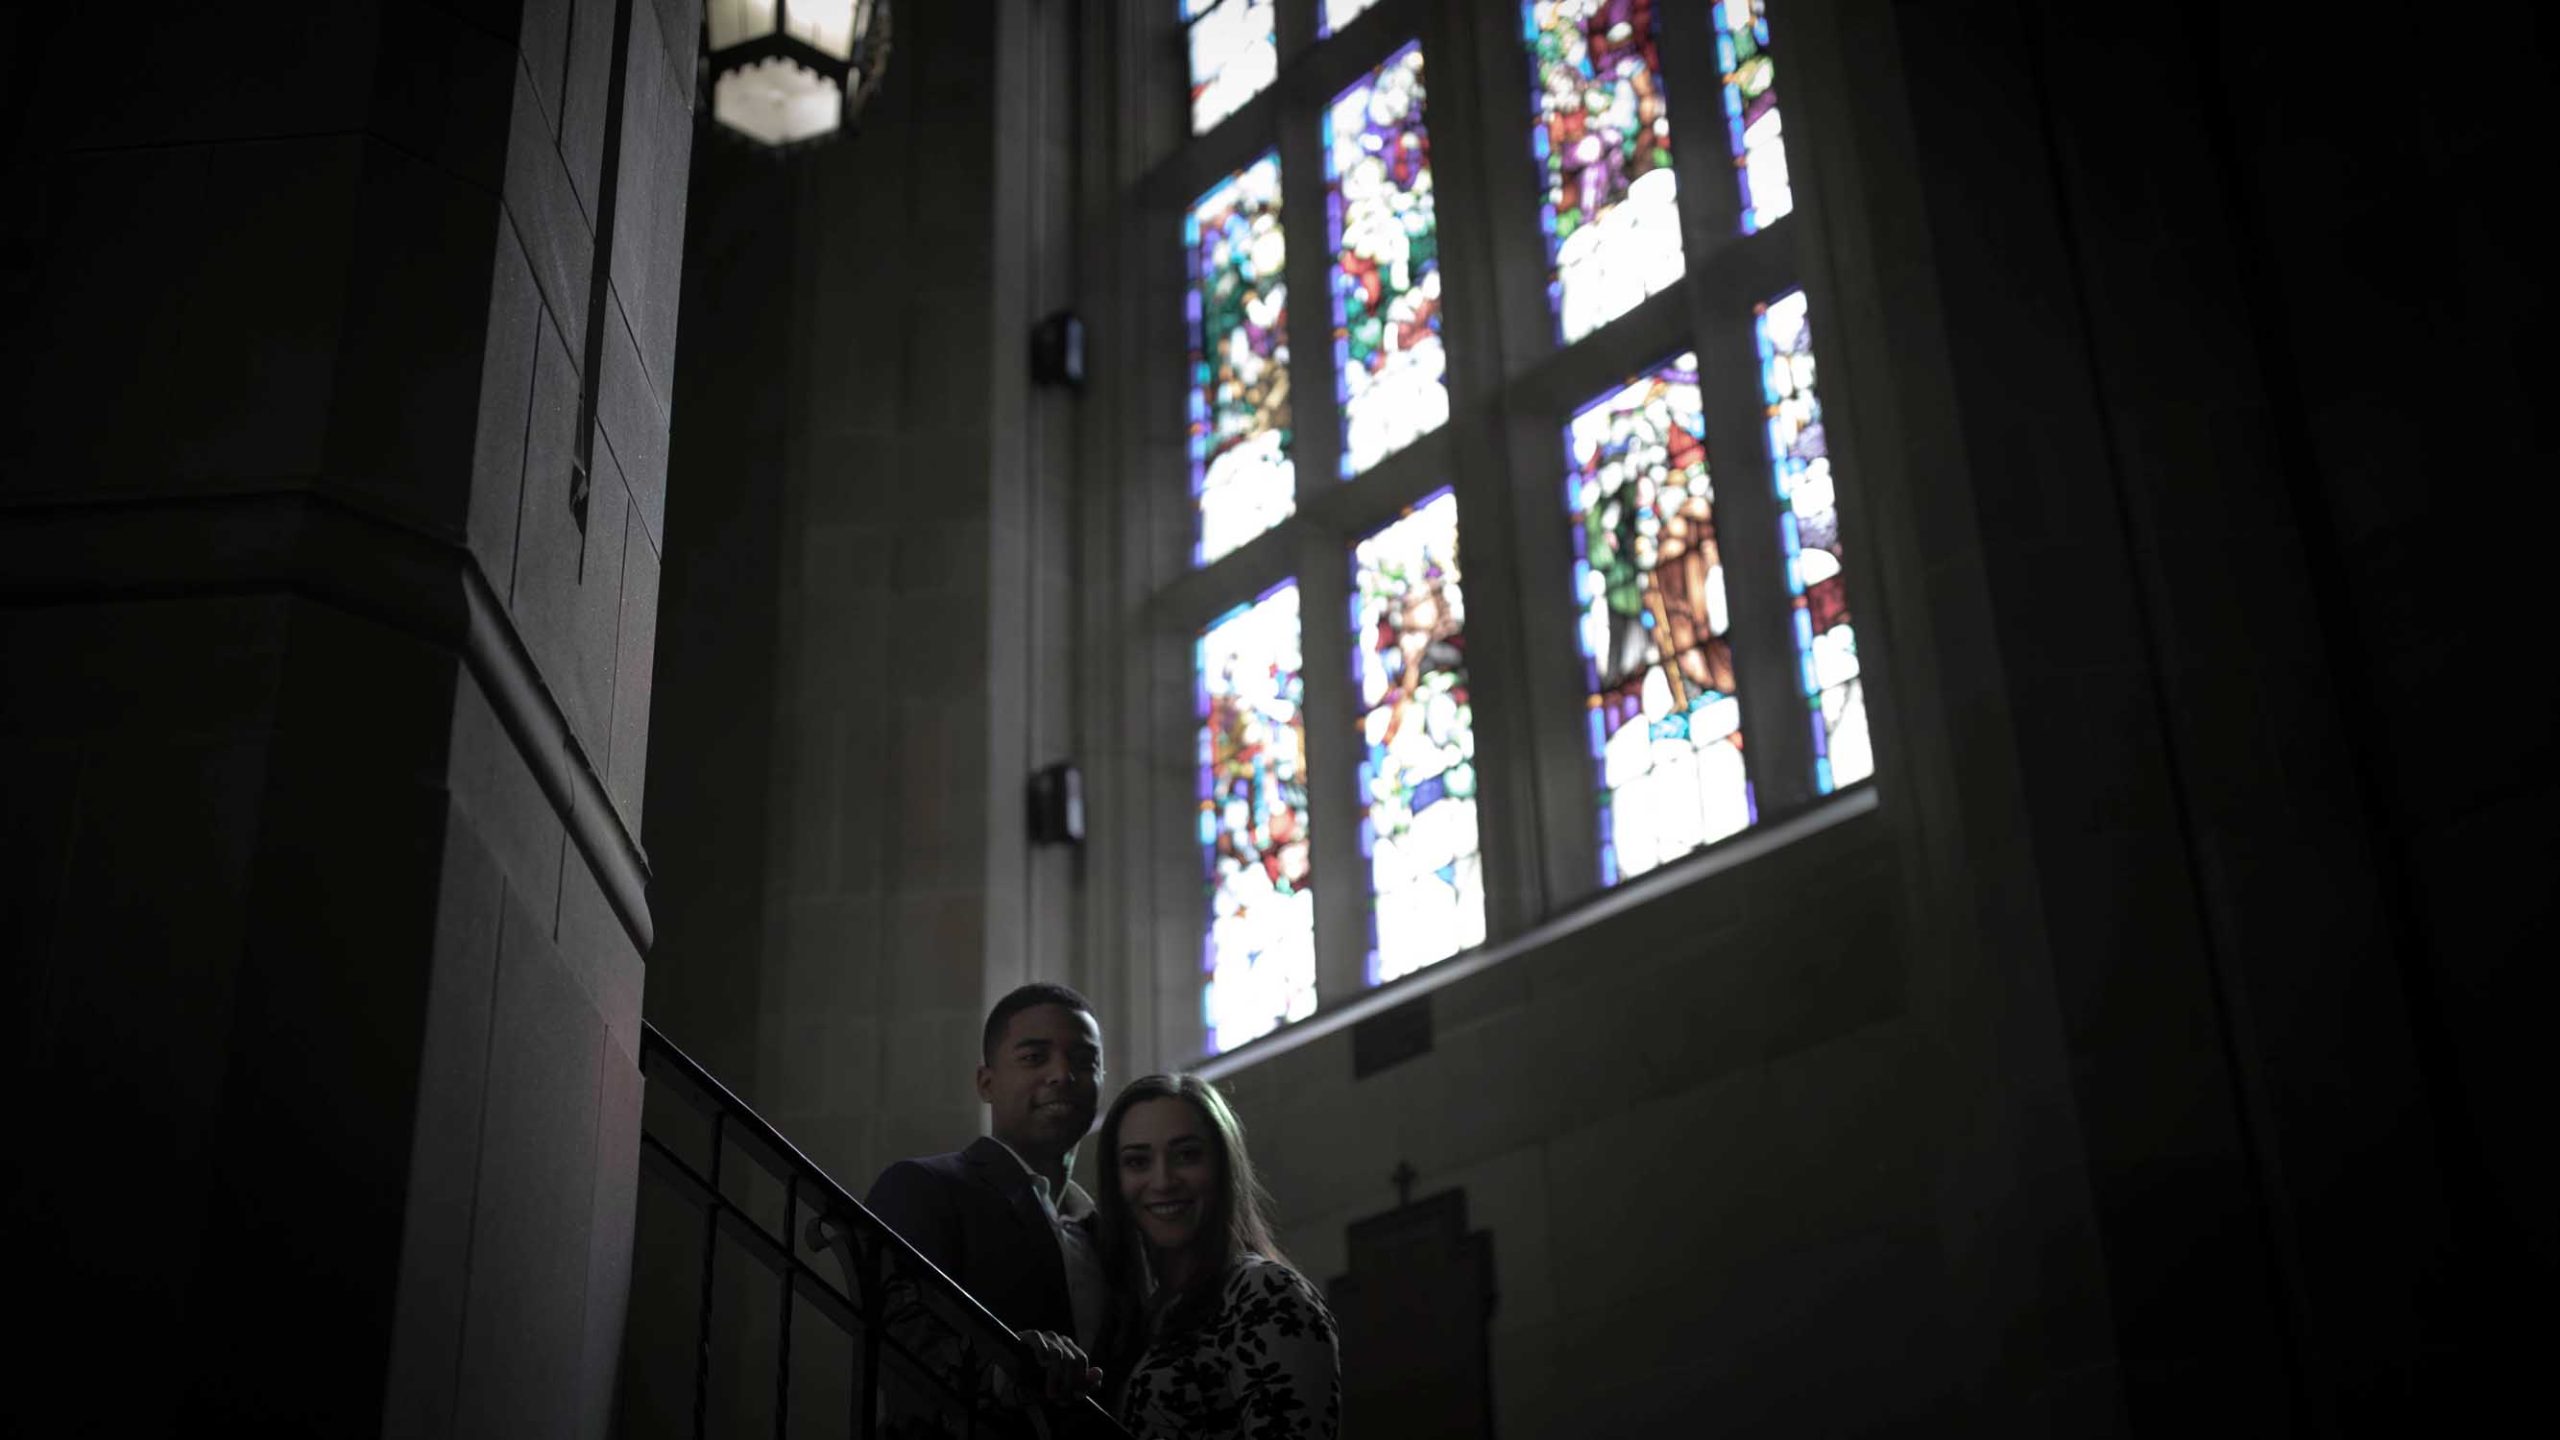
point(973, 1214)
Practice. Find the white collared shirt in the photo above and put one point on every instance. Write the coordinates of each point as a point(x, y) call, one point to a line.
point(1088, 1287)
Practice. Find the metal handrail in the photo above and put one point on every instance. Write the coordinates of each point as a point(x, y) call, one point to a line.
point(882, 1251)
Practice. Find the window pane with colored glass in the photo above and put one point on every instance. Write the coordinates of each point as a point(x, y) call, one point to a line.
point(1417, 732)
point(1259, 959)
point(1338, 13)
point(1751, 111)
point(1809, 531)
point(1239, 408)
point(1602, 140)
point(1235, 53)
point(1665, 722)
point(1390, 371)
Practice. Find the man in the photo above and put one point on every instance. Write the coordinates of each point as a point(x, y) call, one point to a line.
point(1002, 1216)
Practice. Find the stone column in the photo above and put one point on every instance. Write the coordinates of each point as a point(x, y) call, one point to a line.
point(332, 478)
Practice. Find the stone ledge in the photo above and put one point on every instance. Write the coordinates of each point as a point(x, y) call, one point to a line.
point(341, 552)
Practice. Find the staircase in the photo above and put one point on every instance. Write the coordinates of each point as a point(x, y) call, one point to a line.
point(765, 1300)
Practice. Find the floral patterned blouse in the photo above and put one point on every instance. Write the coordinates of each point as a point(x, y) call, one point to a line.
point(1265, 1368)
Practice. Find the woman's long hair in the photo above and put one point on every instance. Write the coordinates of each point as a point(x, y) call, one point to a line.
point(1234, 1227)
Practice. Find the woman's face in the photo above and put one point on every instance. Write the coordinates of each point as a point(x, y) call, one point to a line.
point(1168, 1170)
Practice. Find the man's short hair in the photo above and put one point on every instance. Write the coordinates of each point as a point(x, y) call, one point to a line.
point(1039, 992)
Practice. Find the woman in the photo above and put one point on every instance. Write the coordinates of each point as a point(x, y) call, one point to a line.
point(1227, 1340)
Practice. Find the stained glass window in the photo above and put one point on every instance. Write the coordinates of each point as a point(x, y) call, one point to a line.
point(1389, 367)
point(1751, 111)
point(1809, 530)
point(1602, 140)
point(1235, 53)
point(1417, 730)
point(1665, 723)
point(1338, 13)
point(1259, 962)
point(1671, 773)
point(1238, 307)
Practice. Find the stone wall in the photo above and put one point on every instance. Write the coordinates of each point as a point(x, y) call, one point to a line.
point(869, 598)
point(327, 709)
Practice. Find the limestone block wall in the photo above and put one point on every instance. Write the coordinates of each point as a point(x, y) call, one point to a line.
point(869, 598)
point(2360, 290)
point(327, 712)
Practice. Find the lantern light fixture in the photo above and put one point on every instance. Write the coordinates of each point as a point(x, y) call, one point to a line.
point(787, 72)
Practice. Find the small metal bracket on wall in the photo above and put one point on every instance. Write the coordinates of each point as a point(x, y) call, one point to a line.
point(1057, 350)
point(1056, 801)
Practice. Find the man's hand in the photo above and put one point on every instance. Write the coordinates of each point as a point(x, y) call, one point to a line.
point(1066, 1373)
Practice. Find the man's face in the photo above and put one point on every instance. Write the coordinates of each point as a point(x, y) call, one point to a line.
point(1044, 1081)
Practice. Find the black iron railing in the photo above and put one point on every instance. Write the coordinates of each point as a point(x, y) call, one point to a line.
point(716, 1347)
